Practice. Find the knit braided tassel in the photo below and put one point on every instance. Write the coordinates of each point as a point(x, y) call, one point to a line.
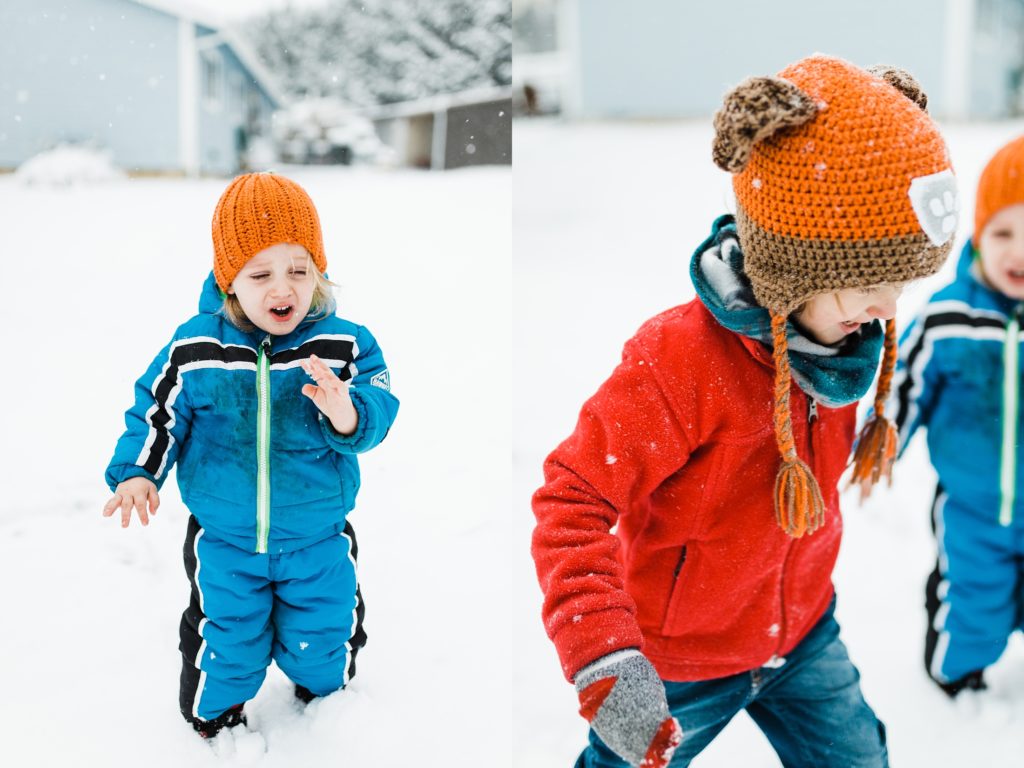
point(876, 447)
point(798, 503)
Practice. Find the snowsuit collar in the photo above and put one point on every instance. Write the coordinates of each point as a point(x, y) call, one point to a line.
point(833, 375)
point(211, 299)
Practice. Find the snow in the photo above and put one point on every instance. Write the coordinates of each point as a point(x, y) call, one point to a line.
point(501, 301)
point(103, 275)
point(68, 164)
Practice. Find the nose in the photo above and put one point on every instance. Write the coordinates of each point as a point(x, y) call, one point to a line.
point(279, 286)
point(884, 309)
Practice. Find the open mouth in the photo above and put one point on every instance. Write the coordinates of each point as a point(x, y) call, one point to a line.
point(849, 326)
point(283, 313)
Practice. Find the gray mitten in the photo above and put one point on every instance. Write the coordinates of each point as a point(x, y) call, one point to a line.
point(623, 699)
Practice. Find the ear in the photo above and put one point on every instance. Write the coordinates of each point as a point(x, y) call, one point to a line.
point(903, 82)
point(230, 290)
point(753, 111)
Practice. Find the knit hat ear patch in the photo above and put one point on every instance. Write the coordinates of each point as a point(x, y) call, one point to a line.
point(936, 203)
point(753, 111)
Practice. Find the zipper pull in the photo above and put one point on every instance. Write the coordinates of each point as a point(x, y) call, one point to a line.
point(265, 344)
point(812, 410)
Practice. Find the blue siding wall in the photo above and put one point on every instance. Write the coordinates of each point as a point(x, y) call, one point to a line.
point(103, 71)
point(221, 119)
point(660, 58)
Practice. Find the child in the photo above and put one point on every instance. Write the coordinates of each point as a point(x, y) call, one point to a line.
point(711, 595)
point(268, 475)
point(958, 375)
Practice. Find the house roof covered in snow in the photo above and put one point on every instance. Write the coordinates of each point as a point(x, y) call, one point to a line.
point(432, 104)
point(183, 9)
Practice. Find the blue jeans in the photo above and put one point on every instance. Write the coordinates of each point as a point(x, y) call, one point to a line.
point(811, 709)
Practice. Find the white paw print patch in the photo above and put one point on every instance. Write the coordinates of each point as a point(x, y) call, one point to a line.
point(936, 202)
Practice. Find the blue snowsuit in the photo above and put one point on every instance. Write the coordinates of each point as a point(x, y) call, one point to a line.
point(269, 553)
point(958, 375)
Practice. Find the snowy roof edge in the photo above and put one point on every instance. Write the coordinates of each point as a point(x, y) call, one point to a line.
point(263, 75)
point(183, 10)
point(438, 102)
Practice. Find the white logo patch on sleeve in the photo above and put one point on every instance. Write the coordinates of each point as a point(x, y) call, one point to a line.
point(936, 202)
point(382, 380)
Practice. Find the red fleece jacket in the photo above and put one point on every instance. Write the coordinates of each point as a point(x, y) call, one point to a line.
point(655, 524)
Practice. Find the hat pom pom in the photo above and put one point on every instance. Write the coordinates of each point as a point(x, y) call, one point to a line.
point(798, 503)
point(753, 111)
point(903, 82)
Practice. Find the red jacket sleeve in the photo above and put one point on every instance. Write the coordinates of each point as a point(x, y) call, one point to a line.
point(628, 440)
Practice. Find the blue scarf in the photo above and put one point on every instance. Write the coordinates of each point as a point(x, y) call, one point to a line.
point(833, 375)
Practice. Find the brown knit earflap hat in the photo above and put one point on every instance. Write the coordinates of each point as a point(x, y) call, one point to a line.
point(259, 210)
point(1001, 184)
point(842, 181)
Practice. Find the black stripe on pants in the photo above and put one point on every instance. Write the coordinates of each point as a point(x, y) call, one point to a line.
point(358, 639)
point(932, 602)
point(190, 640)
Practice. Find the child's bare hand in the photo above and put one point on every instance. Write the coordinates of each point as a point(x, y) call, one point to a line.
point(134, 492)
point(330, 395)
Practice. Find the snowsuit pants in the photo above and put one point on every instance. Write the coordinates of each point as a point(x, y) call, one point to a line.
point(811, 709)
point(302, 609)
point(975, 595)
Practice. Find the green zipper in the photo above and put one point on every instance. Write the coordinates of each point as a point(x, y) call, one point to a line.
point(1008, 459)
point(263, 446)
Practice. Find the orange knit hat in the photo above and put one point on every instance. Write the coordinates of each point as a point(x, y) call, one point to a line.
point(259, 210)
point(842, 181)
point(1001, 184)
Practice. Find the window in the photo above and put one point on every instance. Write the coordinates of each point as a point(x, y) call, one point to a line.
point(212, 74)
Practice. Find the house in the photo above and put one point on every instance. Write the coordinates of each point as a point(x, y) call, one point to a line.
point(665, 58)
point(164, 90)
point(473, 127)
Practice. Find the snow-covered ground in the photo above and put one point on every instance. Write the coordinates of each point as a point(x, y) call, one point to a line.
point(501, 301)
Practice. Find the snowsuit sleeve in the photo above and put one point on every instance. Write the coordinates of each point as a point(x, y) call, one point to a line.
point(370, 391)
point(629, 438)
point(156, 425)
point(915, 384)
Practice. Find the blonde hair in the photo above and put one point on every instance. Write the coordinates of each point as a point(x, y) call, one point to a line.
point(323, 303)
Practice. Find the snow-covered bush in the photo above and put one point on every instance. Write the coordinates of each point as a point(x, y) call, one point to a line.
point(325, 131)
point(68, 164)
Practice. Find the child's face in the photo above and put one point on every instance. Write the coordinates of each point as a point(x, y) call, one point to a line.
point(275, 287)
point(831, 317)
point(1002, 251)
